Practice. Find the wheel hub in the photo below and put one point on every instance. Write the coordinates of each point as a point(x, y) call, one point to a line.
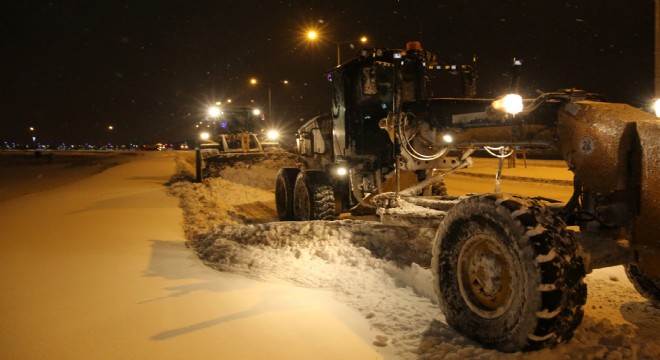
point(485, 277)
point(302, 206)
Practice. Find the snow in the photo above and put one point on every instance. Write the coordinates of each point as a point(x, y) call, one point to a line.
point(95, 266)
point(369, 266)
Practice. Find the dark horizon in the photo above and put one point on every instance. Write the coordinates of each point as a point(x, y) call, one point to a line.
point(151, 68)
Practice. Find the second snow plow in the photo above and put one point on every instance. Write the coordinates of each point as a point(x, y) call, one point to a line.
point(231, 135)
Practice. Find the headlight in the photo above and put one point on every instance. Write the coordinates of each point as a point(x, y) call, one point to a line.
point(214, 111)
point(511, 103)
point(272, 135)
point(204, 136)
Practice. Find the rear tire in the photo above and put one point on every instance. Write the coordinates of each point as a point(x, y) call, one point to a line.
point(284, 187)
point(313, 197)
point(508, 274)
point(647, 286)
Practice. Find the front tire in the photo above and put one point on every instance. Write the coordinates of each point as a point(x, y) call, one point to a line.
point(313, 197)
point(508, 274)
point(647, 286)
point(284, 188)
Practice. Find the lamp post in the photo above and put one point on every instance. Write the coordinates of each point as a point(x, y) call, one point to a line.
point(33, 136)
point(111, 146)
point(313, 35)
point(255, 82)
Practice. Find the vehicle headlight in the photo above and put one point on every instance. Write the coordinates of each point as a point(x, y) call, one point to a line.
point(272, 135)
point(511, 104)
point(214, 111)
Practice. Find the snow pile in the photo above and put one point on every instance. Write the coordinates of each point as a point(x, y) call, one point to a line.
point(324, 255)
point(256, 170)
point(218, 201)
point(370, 266)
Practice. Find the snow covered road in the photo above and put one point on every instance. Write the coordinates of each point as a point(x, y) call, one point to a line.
point(97, 269)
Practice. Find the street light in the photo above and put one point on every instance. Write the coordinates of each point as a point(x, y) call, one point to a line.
point(32, 136)
point(255, 82)
point(313, 35)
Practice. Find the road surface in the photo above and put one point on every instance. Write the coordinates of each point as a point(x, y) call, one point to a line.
point(97, 269)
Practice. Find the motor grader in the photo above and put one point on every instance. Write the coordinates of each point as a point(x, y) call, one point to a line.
point(508, 270)
point(230, 135)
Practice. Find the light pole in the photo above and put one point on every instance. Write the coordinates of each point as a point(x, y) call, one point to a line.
point(255, 82)
point(33, 137)
point(313, 35)
point(111, 146)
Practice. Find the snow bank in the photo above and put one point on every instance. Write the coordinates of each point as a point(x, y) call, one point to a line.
point(256, 169)
point(370, 266)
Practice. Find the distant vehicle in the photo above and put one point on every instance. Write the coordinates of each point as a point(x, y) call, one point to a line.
point(238, 129)
point(153, 147)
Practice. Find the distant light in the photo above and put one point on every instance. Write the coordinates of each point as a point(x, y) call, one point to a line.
point(256, 112)
point(218, 103)
point(31, 128)
point(657, 108)
point(447, 138)
point(110, 127)
point(285, 82)
point(312, 35)
point(204, 136)
point(342, 171)
point(214, 111)
point(253, 81)
point(364, 39)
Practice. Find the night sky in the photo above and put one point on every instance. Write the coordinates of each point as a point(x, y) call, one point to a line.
point(150, 68)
